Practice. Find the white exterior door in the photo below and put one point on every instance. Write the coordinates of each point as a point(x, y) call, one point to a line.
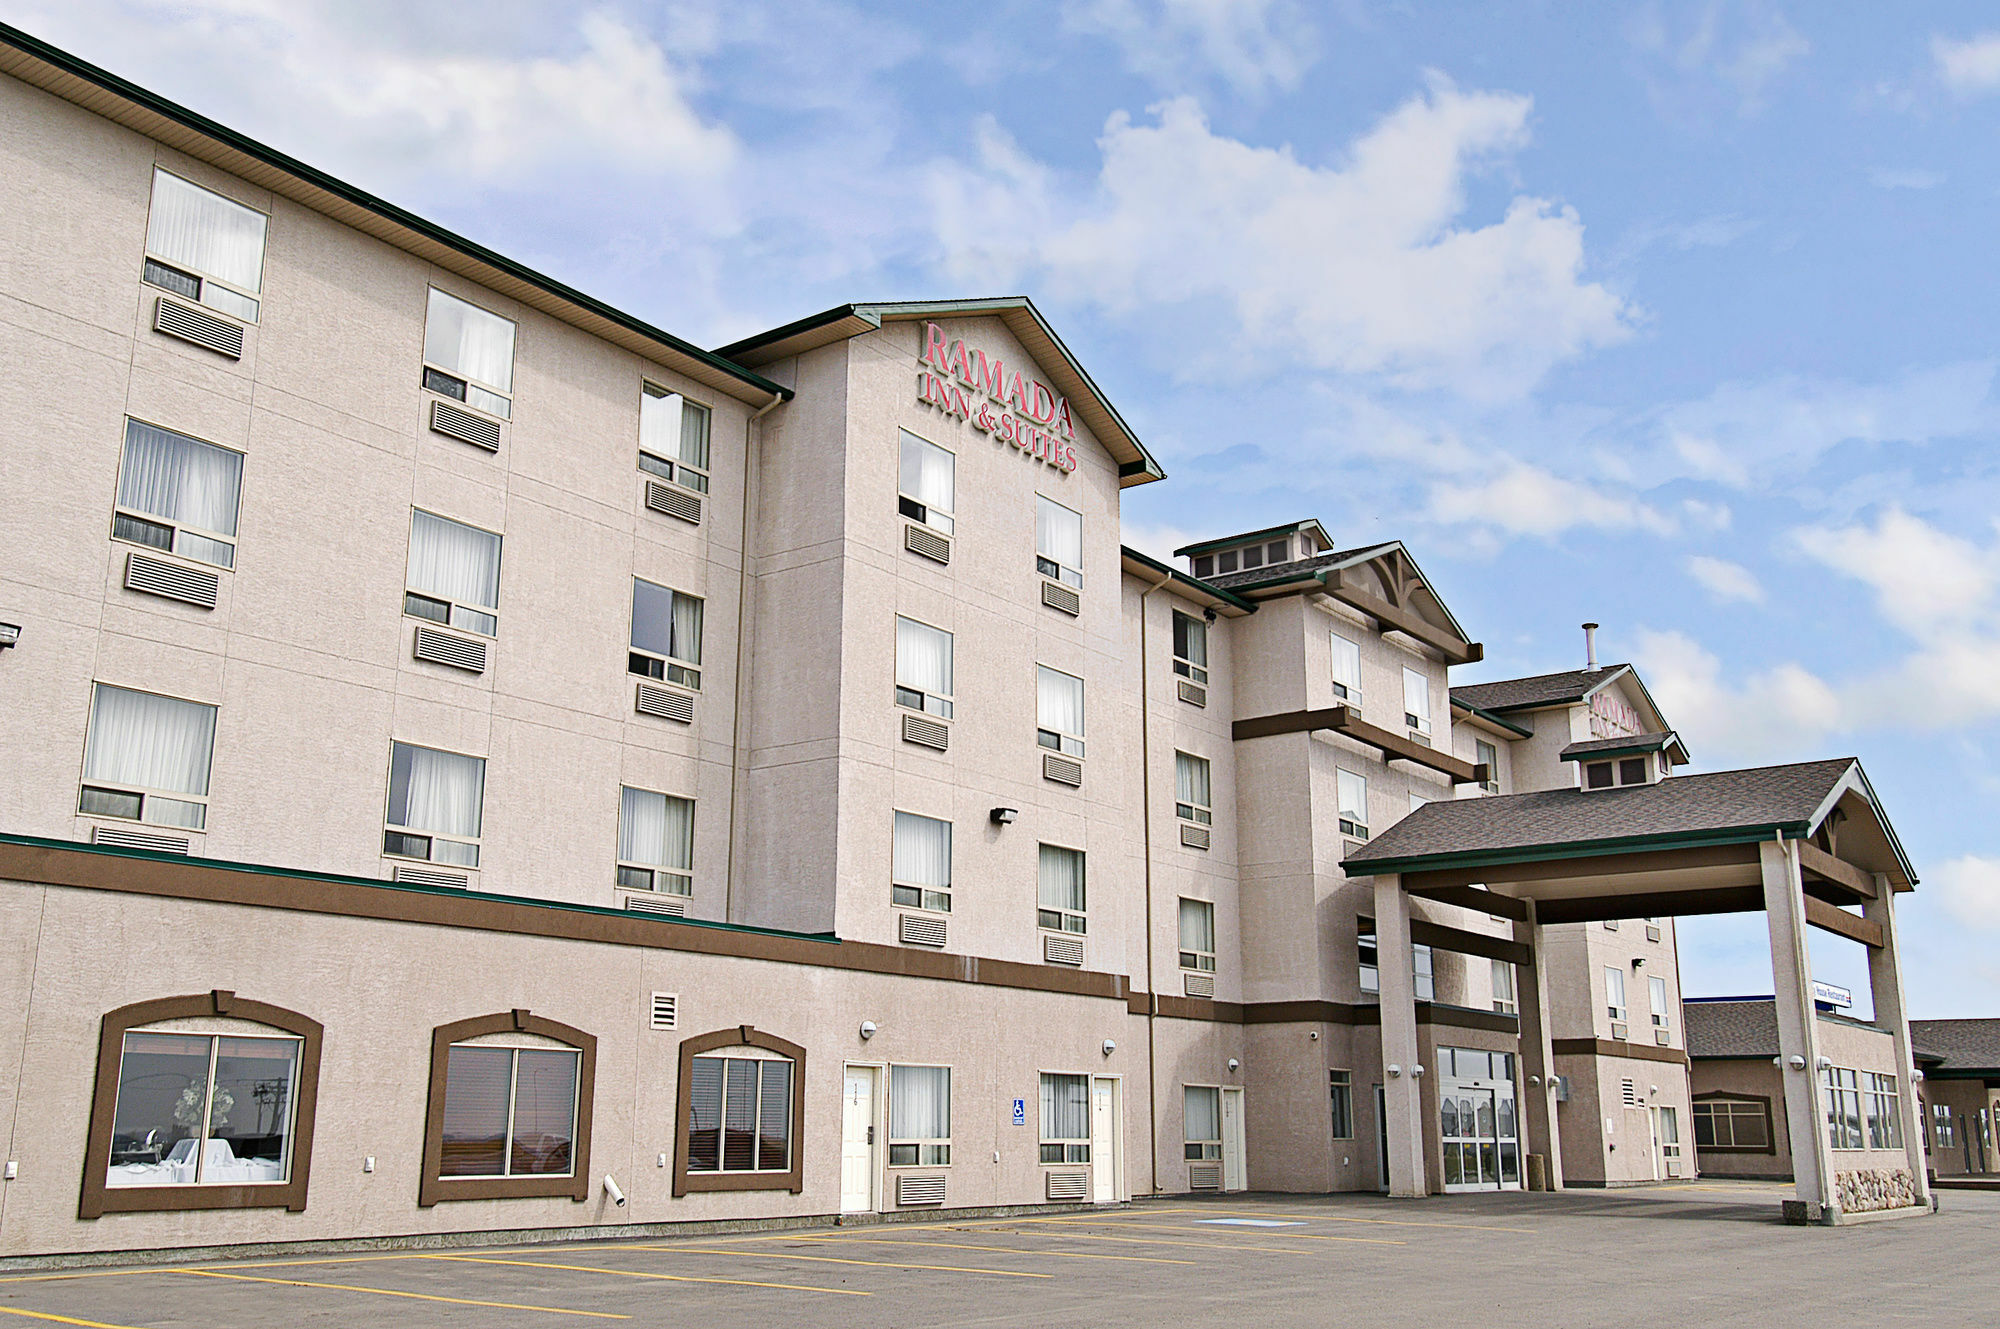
point(1104, 1141)
point(1234, 1173)
point(857, 1141)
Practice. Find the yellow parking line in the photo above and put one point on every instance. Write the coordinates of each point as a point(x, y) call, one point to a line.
point(835, 1259)
point(74, 1273)
point(1009, 1250)
point(392, 1292)
point(1165, 1241)
point(640, 1273)
point(61, 1319)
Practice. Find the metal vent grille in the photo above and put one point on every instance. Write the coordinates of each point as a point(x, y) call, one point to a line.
point(1062, 950)
point(930, 544)
point(666, 906)
point(1652, 933)
point(1194, 837)
point(175, 581)
point(1058, 596)
point(1062, 770)
point(666, 1010)
point(665, 703)
point(672, 501)
point(1660, 1037)
point(1628, 1093)
point(447, 648)
point(1199, 985)
point(1673, 1167)
point(1194, 694)
point(465, 426)
point(204, 330)
point(920, 929)
point(1068, 1185)
point(124, 839)
point(1620, 1030)
point(919, 1190)
point(928, 733)
point(1205, 1176)
point(430, 876)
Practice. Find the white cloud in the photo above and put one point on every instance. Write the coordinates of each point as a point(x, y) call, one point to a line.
point(1969, 887)
point(1527, 500)
point(1931, 584)
point(1779, 712)
point(1363, 267)
point(1724, 580)
point(1160, 541)
point(1256, 46)
point(1906, 178)
point(1727, 54)
point(1968, 67)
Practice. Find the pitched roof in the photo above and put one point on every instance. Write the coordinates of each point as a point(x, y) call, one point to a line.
point(1741, 1027)
point(1297, 568)
point(1593, 747)
point(1961, 1045)
point(1310, 525)
point(1520, 694)
point(1194, 588)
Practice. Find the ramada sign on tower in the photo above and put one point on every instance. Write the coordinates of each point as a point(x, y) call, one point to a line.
point(1032, 418)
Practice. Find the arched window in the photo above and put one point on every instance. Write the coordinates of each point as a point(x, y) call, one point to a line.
point(742, 1103)
point(510, 1110)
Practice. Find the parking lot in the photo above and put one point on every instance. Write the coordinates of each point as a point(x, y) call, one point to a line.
point(1700, 1252)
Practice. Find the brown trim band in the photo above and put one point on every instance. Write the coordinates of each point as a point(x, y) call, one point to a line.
point(433, 1187)
point(1605, 1047)
point(98, 1198)
point(1319, 1012)
point(741, 1036)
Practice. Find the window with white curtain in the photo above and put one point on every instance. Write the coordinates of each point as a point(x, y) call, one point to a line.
point(1346, 669)
point(1059, 889)
point(926, 484)
point(1487, 755)
point(923, 667)
point(1065, 1118)
point(509, 1111)
point(435, 803)
point(1198, 935)
point(179, 494)
point(1614, 992)
point(1656, 989)
point(666, 634)
point(1504, 1000)
point(1369, 959)
point(920, 868)
point(673, 438)
point(1059, 711)
point(1424, 970)
point(655, 842)
point(1058, 541)
point(1191, 795)
point(454, 574)
point(1417, 701)
point(1201, 1113)
point(205, 247)
point(469, 354)
point(147, 758)
point(1190, 647)
point(1352, 790)
point(919, 1116)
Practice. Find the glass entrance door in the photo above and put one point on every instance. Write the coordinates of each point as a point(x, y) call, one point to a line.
point(1478, 1131)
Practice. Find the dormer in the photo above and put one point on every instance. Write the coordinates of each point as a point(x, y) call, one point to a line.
point(1252, 550)
point(1625, 761)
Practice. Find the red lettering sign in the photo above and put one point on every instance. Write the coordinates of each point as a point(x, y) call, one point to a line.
point(946, 360)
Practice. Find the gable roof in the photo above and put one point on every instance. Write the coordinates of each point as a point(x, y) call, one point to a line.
point(1308, 574)
point(1310, 525)
point(1203, 593)
point(1523, 694)
point(1962, 1047)
point(1665, 740)
point(1135, 464)
point(1743, 1028)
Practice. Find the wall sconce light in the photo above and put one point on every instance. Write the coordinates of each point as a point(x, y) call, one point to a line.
point(867, 1030)
point(1417, 1071)
point(1394, 1070)
point(1312, 1036)
point(1916, 1077)
point(1004, 816)
point(1233, 1064)
point(1826, 1063)
point(1653, 1091)
point(1638, 962)
point(1534, 1080)
point(10, 635)
point(1796, 1062)
point(1110, 1046)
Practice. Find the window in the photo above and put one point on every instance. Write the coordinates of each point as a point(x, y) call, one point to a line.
point(655, 842)
point(919, 1116)
point(1843, 1107)
point(1340, 1088)
point(1198, 935)
point(673, 438)
point(1059, 711)
point(1278, 551)
point(742, 1094)
point(923, 668)
point(1422, 969)
point(510, 1109)
point(1205, 566)
point(1191, 789)
point(1190, 647)
point(187, 1117)
point(666, 634)
point(1226, 561)
point(1597, 775)
point(1253, 557)
point(1670, 1138)
point(205, 247)
point(1729, 1125)
point(435, 800)
point(1066, 1118)
point(147, 758)
point(1346, 670)
point(1632, 770)
point(1059, 890)
point(1353, 790)
point(1371, 973)
point(469, 354)
point(926, 484)
point(454, 574)
point(1058, 541)
point(1417, 701)
point(1614, 993)
point(179, 494)
point(921, 869)
point(1504, 1000)
point(1885, 1121)
point(1657, 989)
point(1487, 755)
point(1947, 1136)
point(1201, 1112)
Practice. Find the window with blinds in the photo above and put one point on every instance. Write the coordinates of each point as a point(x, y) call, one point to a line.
point(509, 1111)
point(740, 1114)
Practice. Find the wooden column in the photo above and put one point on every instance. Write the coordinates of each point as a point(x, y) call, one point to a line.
point(1531, 997)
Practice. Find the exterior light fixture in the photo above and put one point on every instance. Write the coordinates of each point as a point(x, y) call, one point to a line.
point(1110, 1046)
point(1796, 1062)
point(1233, 1064)
point(867, 1030)
point(1394, 1070)
point(1826, 1063)
point(1639, 962)
point(10, 635)
point(1312, 1036)
point(1004, 816)
point(1417, 1071)
point(1534, 1080)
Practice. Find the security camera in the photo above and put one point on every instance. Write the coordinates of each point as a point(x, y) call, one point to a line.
point(611, 1189)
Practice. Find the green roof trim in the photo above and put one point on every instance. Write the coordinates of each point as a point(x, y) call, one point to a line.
point(1249, 537)
point(1496, 721)
point(1662, 841)
point(1176, 575)
point(270, 156)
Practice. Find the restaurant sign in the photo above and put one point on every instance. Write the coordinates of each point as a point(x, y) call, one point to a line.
point(965, 384)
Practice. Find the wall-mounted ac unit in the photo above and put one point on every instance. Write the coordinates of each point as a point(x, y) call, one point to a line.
point(1062, 949)
point(920, 929)
point(1068, 1185)
point(198, 327)
point(664, 703)
point(1660, 1037)
point(174, 581)
point(926, 733)
point(1199, 985)
point(1653, 933)
point(923, 540)
point(673, 501)
point(448, 648)
point(463, 425)
point(120, 838)
point(416, 876)
point(1204, 1176)
point(1194, 837)
point(1061, 598)
point(1620, 1031)
point(1194, 694)
point(912, 1191)
point(666, 906)
point(1062, 770)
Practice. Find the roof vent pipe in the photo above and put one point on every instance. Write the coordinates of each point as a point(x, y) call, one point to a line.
point(1590, 646)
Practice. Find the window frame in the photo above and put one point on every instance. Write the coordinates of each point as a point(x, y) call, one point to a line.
point(655, 871)
point(432, 1188)
point(1758, 1104)
point(1185, 665)
point(1487, 754)
point(686, 1182)
point(922, 1144)
point(451, 606)
point(924, 513)
point(1188, 1142)
point(1058, 740)
point(1657, 997)
point(923, 705)
point(1340, 1097)
point(1412, 721)
point(144, 793)
point(1357, 830)
point(1063, 913)
point(1345, 691)
point(1198, 814)
point(1193, 960)
point(1365, 945)
point(202, 279)
point(1511, 1003)
point(1620, 1010)
point(923, 891)
point(675, 465)
point(174, 527)
point(465, 381)
point(1075, 1149)
point(391, 828)
point(689, 670)
point(97, 1198)
point(1063, 573)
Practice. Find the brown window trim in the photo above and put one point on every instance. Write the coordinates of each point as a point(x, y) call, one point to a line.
point(433, 1188)
point(98, 1198)
point(741, 1036)
point(1770, 1131)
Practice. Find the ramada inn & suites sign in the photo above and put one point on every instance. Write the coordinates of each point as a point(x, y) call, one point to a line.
point(969, 386)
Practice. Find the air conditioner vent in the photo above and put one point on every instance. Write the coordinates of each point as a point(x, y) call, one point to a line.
point(665, 703)
point(1628, 1093)
point(1652, 933)
point(1194, 837)
point(464, 426)
point(920, 929)
point(666, 906)
point(448, 648)
point(1660, 1037)
point(919, 1190)
point(1204, 1176)
point(926, 733)
point(430, 877)
point(674, 501)
point(919, 540)
point(175, 581)
point(1620, 1030)
point(204, 330)
point(119, 838)
point(1199, 985)
point(666, 1010)
point(1068, 1185)
point(1060, 597)
point(1194, 694)
point(1062, 950)
point(1062, 770)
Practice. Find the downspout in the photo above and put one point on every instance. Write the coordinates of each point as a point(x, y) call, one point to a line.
point(739, 764)
point(1146, 826)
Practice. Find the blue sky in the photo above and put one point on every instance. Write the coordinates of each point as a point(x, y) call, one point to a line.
point(1676, 318)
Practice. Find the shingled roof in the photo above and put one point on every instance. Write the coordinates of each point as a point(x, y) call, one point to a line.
point(1744, 1028)
point(1292, 571)
point(1521, 694)
point(1962, 1046)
